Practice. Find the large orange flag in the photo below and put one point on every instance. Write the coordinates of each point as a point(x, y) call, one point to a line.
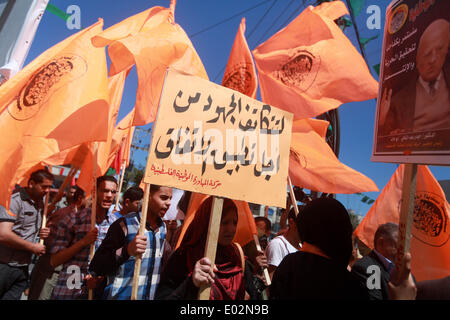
point(240, 73)
point(314, 166)
point(153, 42)
point(86, 178)
point(56, 102)
point(310, 66)
point(246, 227)
point(430, 245)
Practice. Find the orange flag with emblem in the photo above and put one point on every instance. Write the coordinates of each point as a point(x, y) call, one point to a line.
point(314, 166)
point(240, 73)
point(154, 42)
point(61, 92)
point(246, 227)
point(310, 66)
point(430, 245)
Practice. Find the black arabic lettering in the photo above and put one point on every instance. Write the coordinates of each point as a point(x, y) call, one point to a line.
point(191, 100)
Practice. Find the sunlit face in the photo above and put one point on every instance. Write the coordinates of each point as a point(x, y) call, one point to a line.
point(228, 226)
point(38, 190)
point(160, 201)
point(432, 51)
point(106, 193)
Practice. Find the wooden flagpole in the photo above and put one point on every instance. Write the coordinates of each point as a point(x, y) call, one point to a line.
point(291, 193)
point(122, 169)
point(406, 211)
point(44, 213)
point(94, 208)
point(265, 271)
point(137, 265)
point(211, 241)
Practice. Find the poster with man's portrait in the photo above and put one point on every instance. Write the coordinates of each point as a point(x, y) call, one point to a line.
point(412, 123)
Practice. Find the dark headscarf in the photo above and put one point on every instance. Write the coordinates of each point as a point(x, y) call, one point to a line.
point(325, 223)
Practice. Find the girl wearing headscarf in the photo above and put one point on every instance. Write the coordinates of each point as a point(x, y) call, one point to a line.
point(188, 269)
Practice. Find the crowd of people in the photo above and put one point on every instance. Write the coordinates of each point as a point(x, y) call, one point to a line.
point(312, 257)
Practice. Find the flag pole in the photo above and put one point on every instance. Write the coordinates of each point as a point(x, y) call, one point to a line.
point(122, 172)
point(211, 241)
point(44, 213)
point(291, 193)
point(137, 265)
point(406, 211)
point(94, 208)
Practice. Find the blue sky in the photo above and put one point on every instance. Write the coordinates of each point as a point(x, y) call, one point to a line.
point(212, 26)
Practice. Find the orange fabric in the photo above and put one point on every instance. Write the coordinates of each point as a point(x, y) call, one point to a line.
point(430, 245)
point(246, 227)
point(314, 166)
point(153, 42)
point(240, 73)
point(104, 159)
point(56, 102)
point(310, 66)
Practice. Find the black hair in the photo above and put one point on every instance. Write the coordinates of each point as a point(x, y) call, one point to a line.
point(325, 223)
point(133, 193)
point(105, 178)
point(386, 231)
point(38, 176)
point(78, 193)
point(266, 221)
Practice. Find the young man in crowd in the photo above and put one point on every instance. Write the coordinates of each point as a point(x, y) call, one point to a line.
point(73, 239)
point(19, 229)
point(282, 245)
point(131, 202)
point(44, 276)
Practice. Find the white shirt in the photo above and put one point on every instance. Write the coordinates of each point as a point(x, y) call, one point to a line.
point(278, 248)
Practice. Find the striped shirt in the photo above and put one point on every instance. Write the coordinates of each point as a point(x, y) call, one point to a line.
point(112, 259)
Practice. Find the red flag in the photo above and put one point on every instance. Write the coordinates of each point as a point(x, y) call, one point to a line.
point(240, 74)
point(430, 245)
point(310, 66)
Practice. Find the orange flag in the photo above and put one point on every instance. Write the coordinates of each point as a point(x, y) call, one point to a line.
point(153, 42)
point(246, 227)
point(56, 102)
point(86, 179)
point(314, 166)
point(430, 245)
point(240, 73)
point(310, 66)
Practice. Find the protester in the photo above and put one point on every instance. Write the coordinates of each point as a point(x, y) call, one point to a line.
point(73, 239)
point(19, 229)
point(319, 269)
point(283, 245)
point(44, 276)
point(131, 202)
point(264, 228)
point(187, 269)
point(117, 255)
point(379, 261)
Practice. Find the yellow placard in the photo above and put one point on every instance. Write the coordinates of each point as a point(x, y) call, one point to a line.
point(214, 140)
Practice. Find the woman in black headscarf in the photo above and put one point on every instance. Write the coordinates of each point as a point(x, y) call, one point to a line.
point(319, 269)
